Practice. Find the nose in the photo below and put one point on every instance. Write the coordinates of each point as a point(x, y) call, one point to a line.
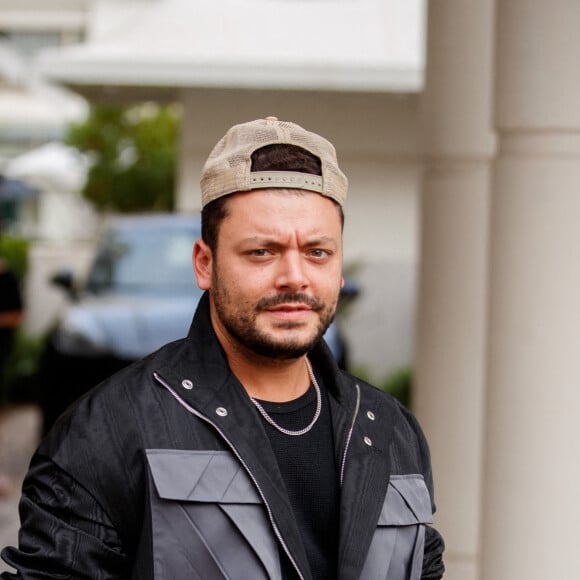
point(291, 274)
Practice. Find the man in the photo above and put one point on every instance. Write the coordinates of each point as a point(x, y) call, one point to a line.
point(242, 451)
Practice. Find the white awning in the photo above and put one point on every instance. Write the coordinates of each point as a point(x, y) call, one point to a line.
point(53, 167)
point(340, 45)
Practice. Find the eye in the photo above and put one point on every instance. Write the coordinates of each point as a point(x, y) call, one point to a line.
point(319, 253)
point(260, 253)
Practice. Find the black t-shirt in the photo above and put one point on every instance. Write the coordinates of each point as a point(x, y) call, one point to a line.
point(308, 467)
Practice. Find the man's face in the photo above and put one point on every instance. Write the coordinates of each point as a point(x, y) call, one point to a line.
point(276, 276)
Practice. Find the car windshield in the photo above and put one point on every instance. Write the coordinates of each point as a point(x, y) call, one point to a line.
point(144, 260)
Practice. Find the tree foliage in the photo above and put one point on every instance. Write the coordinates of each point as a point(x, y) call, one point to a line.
point(14, 251)
point(132, 152)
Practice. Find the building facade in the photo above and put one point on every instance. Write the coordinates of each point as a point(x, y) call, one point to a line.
point(471, 178)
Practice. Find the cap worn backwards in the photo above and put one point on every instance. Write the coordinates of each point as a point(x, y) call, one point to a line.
point(228, 168)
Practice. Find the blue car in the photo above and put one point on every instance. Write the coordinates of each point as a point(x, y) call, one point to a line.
point(140, 293)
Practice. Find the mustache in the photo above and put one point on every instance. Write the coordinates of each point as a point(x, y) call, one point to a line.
point(290, 298)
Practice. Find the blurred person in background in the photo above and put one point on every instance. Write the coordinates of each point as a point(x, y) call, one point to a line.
point(241, 451)
point(10, 314)
point(10, 319)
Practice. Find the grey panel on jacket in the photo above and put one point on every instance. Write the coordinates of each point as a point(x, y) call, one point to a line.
point(407, 502)
point(397, 548)
point(211, 476)
point(208, 519)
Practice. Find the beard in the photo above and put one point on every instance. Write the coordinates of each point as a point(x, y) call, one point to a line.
point(240, 321)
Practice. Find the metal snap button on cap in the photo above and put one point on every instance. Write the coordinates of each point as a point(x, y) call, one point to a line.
point(187, 384)
point(368, 441)
point(371, 415)
point(221, 411)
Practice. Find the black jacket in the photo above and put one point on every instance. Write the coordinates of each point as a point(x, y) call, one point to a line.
point(165, 471)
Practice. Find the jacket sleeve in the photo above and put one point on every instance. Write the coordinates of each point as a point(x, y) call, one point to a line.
point(433, 566)
point(64, 532)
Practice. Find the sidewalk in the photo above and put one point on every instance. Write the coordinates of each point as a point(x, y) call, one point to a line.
point(19, 435)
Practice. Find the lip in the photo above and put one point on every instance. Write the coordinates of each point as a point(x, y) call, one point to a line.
point(289, 311)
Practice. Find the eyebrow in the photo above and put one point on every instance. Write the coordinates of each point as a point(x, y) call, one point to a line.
point(270, 242)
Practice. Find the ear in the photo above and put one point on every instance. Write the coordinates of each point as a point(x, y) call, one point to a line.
point(202, 264)
point(342, 282)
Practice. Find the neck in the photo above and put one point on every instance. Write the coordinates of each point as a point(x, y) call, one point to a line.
point(271, 380)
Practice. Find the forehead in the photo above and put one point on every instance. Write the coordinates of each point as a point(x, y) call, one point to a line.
point(278, 207)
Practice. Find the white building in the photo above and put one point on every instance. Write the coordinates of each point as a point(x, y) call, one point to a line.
point(483, 165)
point(34, 115)
point(31, 111)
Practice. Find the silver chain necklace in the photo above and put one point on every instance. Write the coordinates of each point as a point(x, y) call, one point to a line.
point(316, 414)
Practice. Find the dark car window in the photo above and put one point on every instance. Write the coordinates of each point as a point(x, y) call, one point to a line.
point(144, 260)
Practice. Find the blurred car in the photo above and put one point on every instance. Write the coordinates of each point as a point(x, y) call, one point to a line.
point(139, 294)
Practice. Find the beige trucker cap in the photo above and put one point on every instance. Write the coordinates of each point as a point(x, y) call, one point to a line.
point(228, 167)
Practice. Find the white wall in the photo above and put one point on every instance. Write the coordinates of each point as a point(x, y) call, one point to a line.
point(43, 300)
point(381, 248)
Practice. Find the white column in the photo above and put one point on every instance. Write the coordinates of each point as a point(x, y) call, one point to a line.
point(451, 330)
point(531, 518)
point(191, 155)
